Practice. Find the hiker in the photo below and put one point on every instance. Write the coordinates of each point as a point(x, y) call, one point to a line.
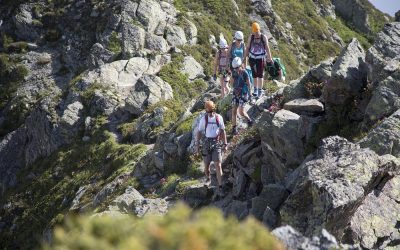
point(241, 92)
point(237, 48)
point(214, 141)
point(259, 53)
point(222, 66)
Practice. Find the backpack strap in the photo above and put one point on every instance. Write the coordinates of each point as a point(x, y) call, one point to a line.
point(205, 127)
point(217, 120)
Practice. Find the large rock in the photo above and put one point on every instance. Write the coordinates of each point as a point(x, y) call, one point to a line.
point(332, 185)
point(397, 16)
point(156, 44)
point(175, 36)
point(384, 55)
point(144, 127)
point(385, 99)
point(133, 40)
point(374, 224)
point(192, 68)
point(384, 61)
point(294, 240)
point(282, 141)
point(385, 139)
point(25, 29)
point(263, 7)
point(99, 56)
point(353, 12)
point(304, 106)
point(150, 14)
point(148, 90)
point(119, 75)
point(348, 76)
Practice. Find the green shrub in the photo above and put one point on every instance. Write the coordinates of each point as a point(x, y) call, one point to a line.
point(57, 179)
point(186, 125)
point(179, 229)
point(346, 33)
point(114, 43)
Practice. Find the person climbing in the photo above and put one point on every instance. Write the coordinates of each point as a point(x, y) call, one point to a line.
point(222, 66)
point(237, 48)
point(214, 140)
point(241, 92)
point(258, 52)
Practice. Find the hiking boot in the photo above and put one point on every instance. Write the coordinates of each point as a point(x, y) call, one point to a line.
point(260, 92)
point(250, 122)
point(234, 130)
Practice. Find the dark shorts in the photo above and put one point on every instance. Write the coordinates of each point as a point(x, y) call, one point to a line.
point(257, 67)
point(239, 101)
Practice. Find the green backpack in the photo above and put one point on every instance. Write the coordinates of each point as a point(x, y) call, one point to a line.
point(274, 68)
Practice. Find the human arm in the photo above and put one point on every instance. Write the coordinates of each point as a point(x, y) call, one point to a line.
point(267, 49)
point(247, 49)
point(216, 64)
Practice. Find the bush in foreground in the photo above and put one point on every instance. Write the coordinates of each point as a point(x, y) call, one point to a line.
point(179, 229)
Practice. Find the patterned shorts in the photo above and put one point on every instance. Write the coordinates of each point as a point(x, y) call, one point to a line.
point(238, 101)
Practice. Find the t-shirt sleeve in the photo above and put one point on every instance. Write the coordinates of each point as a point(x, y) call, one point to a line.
point(202, 124)
point(221, 122)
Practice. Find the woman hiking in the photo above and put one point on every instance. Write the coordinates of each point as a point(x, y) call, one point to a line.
point(259, 53)
point(222, 66)
point(237, 48)
point(241, 92)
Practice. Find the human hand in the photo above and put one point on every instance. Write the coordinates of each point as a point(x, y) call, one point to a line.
point(215, 77)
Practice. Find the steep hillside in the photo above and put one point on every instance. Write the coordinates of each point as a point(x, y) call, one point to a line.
point(98, 101)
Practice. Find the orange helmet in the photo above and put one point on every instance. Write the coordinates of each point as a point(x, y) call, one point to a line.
point(255, 27)
point(209, 106)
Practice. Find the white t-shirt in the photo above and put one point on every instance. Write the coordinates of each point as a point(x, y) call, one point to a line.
point(212, 128)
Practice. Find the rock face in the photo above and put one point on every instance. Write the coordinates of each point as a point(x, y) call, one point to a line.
point(148, 90)
point(348, 76)
point(384, 60)
point(397, 16)
point(385, 139)
point(304, 106)
point(354, 12)
point(332, 184)
point(375, 223)
point(192, 68)
point(292, 239)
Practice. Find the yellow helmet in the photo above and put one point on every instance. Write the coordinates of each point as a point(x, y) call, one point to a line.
point(209, 106)
point(255, 27)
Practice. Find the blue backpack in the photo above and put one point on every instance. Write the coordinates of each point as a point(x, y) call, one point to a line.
point(242, 90)
point(250, 73)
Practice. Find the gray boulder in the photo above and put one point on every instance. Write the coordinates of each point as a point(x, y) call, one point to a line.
point(133, 40)
point(156, 43)
point(175, 36)
point(385, 139)
point(99, 56)
point(157, 63)
point(263, 7)
point(148, 90)
point(127, 201)
point(397, 16)
point(374, 224)
point(192, 68)
point(385, 99)
point(282, 141)
point(274, 195)
point(384, 56)
point(237, 208)
point(197, 195)
point(304, 106)
point(144, 127)
point(103, 102)
point(150, 14)
point(294, 240)
point(333, 184)
point(353, 12)
point(191, 32)
point(25, 29)
point(348, 75)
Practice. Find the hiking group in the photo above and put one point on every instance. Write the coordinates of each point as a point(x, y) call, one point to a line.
point(232, 70)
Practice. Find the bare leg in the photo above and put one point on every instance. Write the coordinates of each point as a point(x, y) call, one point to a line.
point(222, 82)
point(218, 169)
point(234, 115)
point(243, 113)
point(207, 168)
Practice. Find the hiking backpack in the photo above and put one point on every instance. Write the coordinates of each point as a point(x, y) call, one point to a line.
point(242, 89)
point(206, 119)
point(274, 68)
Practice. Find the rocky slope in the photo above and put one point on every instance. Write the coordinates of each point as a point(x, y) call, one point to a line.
point(99, 101)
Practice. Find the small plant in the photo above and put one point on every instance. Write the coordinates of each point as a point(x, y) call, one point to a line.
point(314, 90)
point(114, 43)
